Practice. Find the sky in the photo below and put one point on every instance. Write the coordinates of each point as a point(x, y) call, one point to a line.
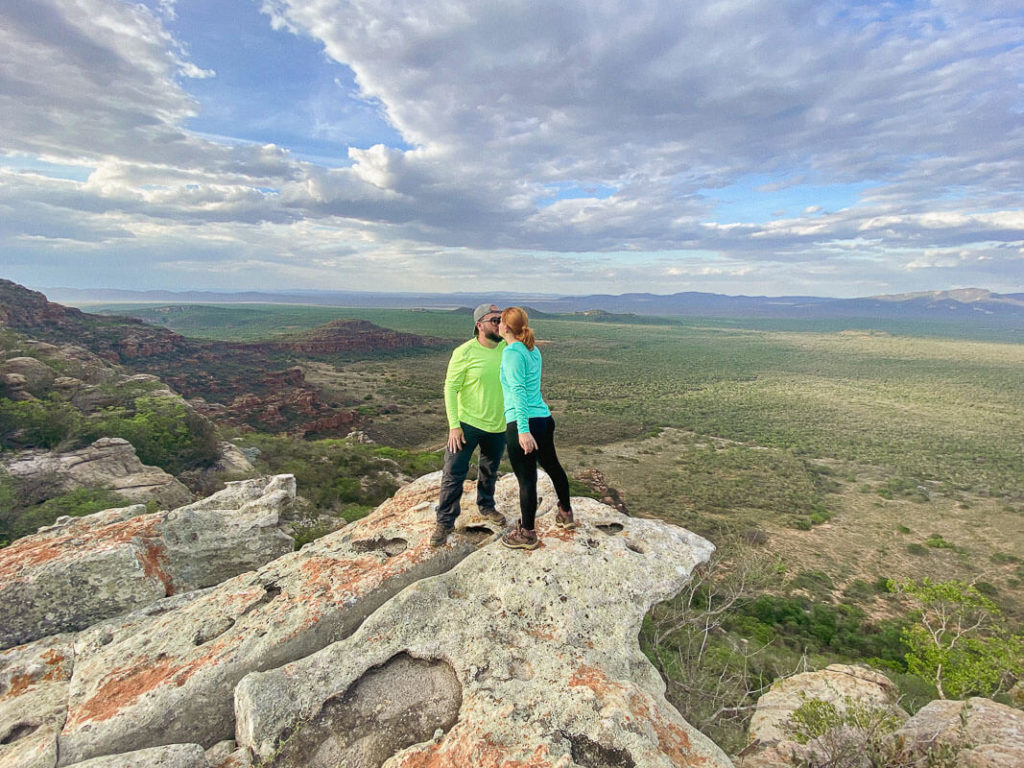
point(755, 147)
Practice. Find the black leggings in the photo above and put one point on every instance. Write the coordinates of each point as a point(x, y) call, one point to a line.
point(525, 466)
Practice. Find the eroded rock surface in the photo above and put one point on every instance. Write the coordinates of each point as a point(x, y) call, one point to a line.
point(34, 683)
point(982, 732)
point(132, 673)
point(542, 644)
point(87, 569)
point(109, 463)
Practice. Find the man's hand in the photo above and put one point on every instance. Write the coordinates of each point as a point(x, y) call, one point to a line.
point(527, 443)
point(456, 439)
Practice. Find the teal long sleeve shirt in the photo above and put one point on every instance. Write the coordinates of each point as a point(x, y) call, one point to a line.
point(520, 384)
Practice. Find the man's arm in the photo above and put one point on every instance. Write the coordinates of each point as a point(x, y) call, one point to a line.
point(453, 381)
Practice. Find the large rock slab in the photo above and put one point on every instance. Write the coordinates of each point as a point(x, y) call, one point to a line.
point(167, 674)
point(34, 682)
point(170, 756)
point(982, 732)
point(512, 658)
point(87, 569)
point(109, 463)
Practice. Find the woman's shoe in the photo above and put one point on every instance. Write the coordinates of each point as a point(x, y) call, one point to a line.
point(564, 518)
point(520, 538)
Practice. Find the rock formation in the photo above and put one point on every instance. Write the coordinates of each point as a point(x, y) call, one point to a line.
point(368, 647)
point(86, 569)
point(109, 463)
point(978, 733)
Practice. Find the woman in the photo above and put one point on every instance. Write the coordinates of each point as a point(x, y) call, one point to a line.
point(530, 429)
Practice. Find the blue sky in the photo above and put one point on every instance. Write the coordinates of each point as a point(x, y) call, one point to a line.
point(785, 147)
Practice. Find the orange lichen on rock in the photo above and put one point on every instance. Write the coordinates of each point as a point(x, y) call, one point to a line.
point(153, 559)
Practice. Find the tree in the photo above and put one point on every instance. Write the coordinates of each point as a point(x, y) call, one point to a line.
point(959, 640)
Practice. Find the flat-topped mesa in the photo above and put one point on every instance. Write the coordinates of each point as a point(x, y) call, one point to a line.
point(83, 570)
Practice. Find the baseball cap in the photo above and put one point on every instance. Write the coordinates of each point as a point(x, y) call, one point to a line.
point(483, 309)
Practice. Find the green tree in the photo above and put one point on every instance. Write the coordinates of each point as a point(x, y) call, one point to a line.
point(959, 640)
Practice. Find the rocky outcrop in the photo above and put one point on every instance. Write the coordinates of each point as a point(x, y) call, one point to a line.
point(372, 648)
point(109, 463)
point(978, 733)
point(86, 569)
point(510, 658)
point(982, 733)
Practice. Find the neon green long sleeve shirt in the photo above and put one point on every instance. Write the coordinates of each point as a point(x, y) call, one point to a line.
point(472, 387)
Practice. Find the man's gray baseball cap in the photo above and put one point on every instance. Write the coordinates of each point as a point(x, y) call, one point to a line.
point(482, 310)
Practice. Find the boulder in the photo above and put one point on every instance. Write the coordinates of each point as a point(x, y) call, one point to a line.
point(510, 658)
point(38, 377)
point(168, 675)
point(109, 463)
point(772, 737)
point(34, 682)
point(980, 732)
point(170, 756)
point(86, 569)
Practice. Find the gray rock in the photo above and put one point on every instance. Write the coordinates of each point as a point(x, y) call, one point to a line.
point(109, 463)
point(83, 570)
point(33, 701)
point(981, 732)
point(170, 756)
point(37, 376)
point(512, 657)
point(166, 677)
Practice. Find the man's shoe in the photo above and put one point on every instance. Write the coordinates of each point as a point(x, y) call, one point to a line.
point(520, 538)
point(440, 535)
point(564, 518)
point(493, 516)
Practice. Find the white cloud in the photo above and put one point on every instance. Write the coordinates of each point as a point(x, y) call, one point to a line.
point(500, 103)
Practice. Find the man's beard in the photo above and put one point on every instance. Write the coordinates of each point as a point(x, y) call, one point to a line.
point(492, 335)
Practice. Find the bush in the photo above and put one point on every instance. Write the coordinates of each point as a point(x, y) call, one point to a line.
point(37, 423)
point(17, 520)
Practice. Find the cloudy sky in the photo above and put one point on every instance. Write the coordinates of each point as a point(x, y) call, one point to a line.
point(770, 147)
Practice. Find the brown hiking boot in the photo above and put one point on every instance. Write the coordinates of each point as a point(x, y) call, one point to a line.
point(564, 518)
point(520, 538)
point(493, 516)
point(440, 535)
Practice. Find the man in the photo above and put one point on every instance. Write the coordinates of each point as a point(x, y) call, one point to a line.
point(476, 417)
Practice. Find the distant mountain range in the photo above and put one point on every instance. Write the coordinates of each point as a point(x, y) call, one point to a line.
point(960, 304)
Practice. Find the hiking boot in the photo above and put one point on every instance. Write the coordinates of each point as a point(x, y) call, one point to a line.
point(493, 516)
point(440, 535)
point(564, 518)
point(520, 538)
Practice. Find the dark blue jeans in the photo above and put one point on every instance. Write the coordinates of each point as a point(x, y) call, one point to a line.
point(456, 466)
point(525, 466)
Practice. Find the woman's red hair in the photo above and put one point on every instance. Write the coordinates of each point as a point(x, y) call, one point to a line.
point(519, 323)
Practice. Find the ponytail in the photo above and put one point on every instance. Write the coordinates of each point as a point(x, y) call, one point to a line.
point(518, 323)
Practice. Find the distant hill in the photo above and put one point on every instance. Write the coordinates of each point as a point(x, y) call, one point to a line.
point(252, 383)
point(961, 305)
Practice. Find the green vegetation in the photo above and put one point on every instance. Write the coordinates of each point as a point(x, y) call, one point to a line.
point(340, 477)
point(26, 507)
point(959, 641)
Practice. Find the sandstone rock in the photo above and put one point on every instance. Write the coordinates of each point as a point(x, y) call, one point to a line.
point(33, 701)
point(840, 685)
point(982, 733)
point(110, 463)
point(14, 387)
point(170, 756)
point(163, 677)
point(86, 569)
point(228, 533)
point(38, 376)
point(511, 658)
point(233, 461)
